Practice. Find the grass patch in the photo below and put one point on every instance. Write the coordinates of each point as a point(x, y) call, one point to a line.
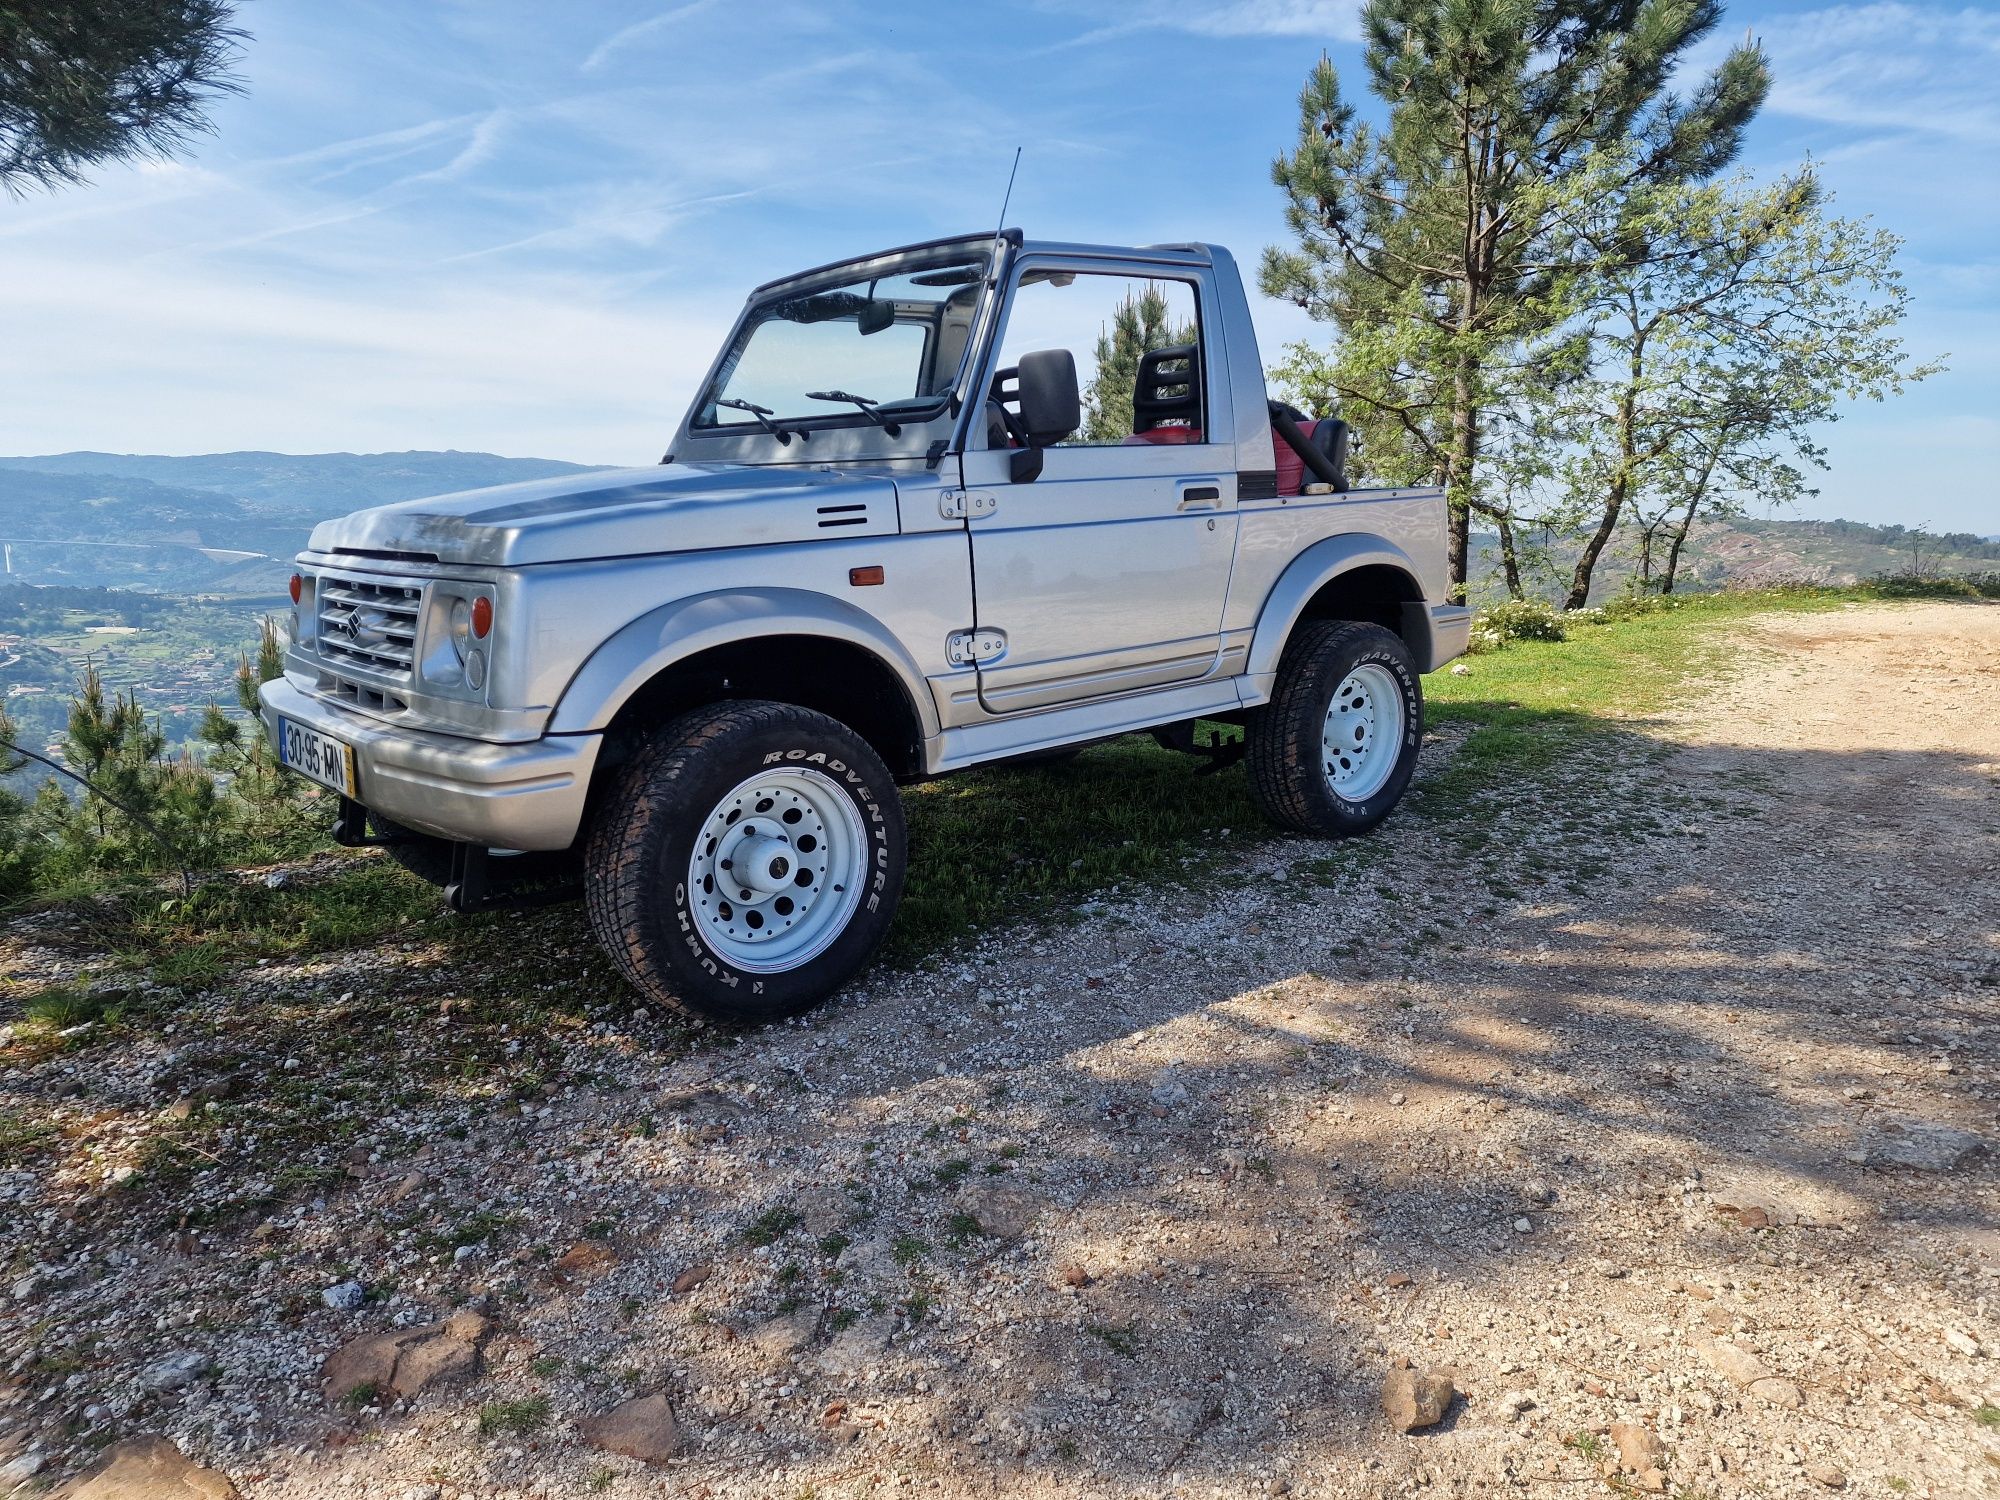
point(1003, 841)
point(523, 1415)
point(769, 1225)
point(357, 901)
point(1118, 1339)
point(21, 1137)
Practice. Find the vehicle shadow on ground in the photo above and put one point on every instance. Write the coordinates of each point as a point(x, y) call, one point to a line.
point(1279, 1131)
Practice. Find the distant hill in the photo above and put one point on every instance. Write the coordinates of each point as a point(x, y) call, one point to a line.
point(170, 524)
point(311, 486)
point(1748, 552)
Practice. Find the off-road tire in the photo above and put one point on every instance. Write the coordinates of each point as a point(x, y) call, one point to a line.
point(1284, 755)
point(636, 861)
point(429, 858)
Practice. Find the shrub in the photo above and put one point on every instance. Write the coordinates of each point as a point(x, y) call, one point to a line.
point(1908, 585)
point(1523, 620)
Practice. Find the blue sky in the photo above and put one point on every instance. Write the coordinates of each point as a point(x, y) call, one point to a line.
point(492, 224)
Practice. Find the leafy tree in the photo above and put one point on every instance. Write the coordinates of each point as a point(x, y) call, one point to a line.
point(90, 81)
point(1438, 246)
point(1141, 323)
point(1724, 322)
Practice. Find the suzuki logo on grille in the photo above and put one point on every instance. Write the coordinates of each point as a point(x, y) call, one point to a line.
point(364, 627)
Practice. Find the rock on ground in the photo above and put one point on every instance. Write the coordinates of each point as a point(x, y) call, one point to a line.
point(643, 1428)
point(403, 1361)
point(149, 1468)
point(1414, 1399)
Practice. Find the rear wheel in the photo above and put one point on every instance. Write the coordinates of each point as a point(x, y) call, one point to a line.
point(1334, 750)
point(747, 863)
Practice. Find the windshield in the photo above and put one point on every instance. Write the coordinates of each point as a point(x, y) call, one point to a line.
point(850, 352)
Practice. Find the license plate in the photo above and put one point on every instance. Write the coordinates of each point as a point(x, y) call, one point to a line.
point(320, 757)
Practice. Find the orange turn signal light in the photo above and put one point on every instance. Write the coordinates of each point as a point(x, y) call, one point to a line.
point(298, 588)
point(861, 578)
point(482, 617)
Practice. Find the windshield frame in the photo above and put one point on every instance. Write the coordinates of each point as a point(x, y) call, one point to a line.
point(845, 433)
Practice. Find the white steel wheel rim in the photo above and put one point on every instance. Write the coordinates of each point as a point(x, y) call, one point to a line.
point(778, 869)
point(1363, 734)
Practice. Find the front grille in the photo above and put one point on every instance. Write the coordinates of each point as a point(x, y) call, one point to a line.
point(367, 624)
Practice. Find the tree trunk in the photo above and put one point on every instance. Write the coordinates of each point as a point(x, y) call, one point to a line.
point(1614, 504)
point(1510, 562)
point(1617, 491)
point(1458, 472)
point(1687, 521)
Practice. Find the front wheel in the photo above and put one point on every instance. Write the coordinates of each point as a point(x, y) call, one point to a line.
point(1334, 750)
point(747, 863)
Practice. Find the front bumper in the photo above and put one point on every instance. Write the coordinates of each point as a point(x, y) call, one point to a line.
point(522, 796)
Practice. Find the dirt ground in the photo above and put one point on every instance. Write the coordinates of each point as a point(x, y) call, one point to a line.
point(1685, 1161)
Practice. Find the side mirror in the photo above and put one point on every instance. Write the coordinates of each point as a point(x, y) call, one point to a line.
point(1050, 408)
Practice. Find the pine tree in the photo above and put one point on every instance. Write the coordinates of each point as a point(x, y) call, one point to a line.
point(1439, 246)
point(1140, 324)
point(90, 81)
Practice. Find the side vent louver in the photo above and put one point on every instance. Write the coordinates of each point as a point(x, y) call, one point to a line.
point(844, 515)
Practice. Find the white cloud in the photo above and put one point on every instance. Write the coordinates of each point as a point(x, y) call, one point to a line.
point(191, 358)
point(639, 31)
point(1920, 68)
point(1324, 20)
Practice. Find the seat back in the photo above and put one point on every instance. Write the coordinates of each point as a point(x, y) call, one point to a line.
point(1167, 389)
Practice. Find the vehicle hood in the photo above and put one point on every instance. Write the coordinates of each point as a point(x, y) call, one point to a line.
point(622, 513)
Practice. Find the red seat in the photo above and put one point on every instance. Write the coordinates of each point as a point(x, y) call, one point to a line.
point(1291, 468)
point(1168, 435)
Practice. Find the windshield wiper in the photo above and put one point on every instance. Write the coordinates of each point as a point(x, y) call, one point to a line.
point(761, 416)
point(893, 429)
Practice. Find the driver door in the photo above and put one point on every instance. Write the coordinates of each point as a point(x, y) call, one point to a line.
point(1107, 574)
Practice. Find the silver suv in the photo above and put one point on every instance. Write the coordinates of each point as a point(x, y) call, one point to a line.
point(894, 538)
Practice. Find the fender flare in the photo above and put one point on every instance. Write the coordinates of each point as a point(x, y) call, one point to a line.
point(634, 655)
point(1318, 566)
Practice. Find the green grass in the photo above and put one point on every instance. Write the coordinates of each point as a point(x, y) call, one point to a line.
point(520, 1416)
point(1002, 842)
point(769, 1225)
point(21, 1138)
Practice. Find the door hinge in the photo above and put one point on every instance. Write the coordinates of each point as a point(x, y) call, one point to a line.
point(965, 648)
point(965, 505)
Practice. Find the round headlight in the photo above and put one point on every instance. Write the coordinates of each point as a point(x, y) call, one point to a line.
point(461, 626)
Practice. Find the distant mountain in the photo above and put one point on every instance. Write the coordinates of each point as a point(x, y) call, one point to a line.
point(308, 486)
point(1750, 552)
point(182, 525)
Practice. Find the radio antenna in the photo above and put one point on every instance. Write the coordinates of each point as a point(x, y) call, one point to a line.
point(1008, 196)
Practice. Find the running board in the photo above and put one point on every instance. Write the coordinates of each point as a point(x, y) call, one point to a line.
point(1051, 729)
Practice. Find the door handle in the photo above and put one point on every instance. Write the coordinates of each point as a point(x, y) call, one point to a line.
point(1200, 497)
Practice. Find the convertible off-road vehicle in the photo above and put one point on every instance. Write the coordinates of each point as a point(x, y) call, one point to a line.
point(890, 541)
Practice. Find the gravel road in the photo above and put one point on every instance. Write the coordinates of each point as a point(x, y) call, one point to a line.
point(1660, 1115)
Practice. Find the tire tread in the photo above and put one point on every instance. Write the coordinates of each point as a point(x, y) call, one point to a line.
point(1289, 725)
